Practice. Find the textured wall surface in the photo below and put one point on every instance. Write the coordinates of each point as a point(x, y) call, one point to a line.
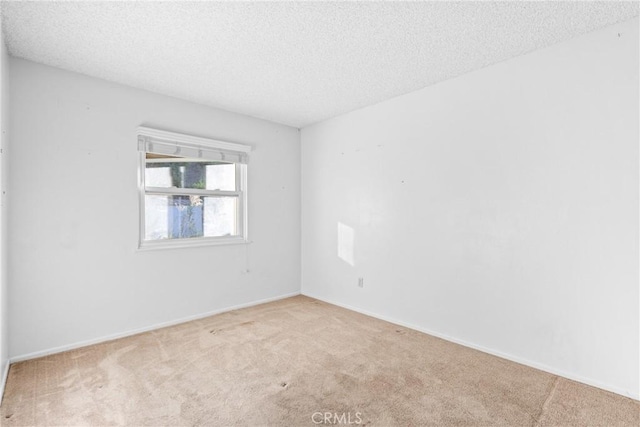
point(75, 271)
point(498, 209)
point(4, 252)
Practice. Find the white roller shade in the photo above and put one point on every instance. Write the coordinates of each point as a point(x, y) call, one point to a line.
point(176, 144)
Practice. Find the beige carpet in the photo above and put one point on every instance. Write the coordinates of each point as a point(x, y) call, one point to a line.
point(281, 363)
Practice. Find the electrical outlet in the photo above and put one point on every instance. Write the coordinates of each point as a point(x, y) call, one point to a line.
point(361, 282)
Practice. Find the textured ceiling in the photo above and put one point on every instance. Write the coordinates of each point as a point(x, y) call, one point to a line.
point(293, 62)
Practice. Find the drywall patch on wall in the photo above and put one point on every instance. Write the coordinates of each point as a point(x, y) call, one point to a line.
point(346, 241)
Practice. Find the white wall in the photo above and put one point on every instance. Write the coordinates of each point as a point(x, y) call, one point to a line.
point(499, 209)
point(75, 272)
point(4, 123)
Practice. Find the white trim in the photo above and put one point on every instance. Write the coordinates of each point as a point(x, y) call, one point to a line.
point(162, 191)
point(540, 366)
point(152, 245)
point(3, 380)
point(243, 223)
point(189, 139)
point(176, 160)
point(111, 337)
point(141, 197)
point(241, 193)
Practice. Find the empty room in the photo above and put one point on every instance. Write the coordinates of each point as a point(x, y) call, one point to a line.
point(301, 213)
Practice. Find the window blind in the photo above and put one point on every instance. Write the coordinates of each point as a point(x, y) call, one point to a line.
point(175, 144)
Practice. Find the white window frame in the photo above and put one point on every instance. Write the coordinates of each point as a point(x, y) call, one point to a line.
point(240, 151)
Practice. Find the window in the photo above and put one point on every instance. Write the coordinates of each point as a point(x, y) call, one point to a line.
point(193, 191)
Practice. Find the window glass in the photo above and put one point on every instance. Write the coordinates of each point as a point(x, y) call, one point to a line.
point(192, 190)
point(177, 172)
point(189, 216)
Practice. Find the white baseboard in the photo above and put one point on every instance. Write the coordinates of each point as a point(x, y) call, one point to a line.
point(128, 333)
point(588, 381)
point(634, 395)
point(3, 380)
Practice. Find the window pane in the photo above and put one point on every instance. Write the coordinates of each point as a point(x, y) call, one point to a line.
point(156, 211)
point(220, 216)
point(183, 217)
point(178, 172)
point(221, 176)
point(157, 176)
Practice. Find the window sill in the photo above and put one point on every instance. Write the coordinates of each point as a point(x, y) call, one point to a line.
point(151, 245)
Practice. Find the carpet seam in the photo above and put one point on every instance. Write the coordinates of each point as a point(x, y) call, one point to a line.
point(545, 405)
